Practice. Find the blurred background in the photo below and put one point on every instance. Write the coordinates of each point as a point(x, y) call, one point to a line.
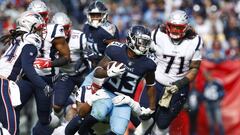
point(217, 21)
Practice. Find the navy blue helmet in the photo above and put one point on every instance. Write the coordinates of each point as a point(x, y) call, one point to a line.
point(139, 39)
point(97, 14)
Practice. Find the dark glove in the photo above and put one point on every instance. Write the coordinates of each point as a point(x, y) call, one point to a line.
point(81, 65)
point(48, 91)
point(146, 113)
point(90, 55)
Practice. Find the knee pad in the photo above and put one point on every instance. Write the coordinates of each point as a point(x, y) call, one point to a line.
point(100, 109)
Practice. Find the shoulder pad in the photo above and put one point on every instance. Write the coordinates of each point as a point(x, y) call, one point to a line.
point(31, 38)
point(109, 27)
point(76, 32)
point(55, 30)
point(152, 56)
point(163, 28)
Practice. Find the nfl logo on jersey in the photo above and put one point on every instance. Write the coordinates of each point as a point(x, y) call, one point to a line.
point(130, 63)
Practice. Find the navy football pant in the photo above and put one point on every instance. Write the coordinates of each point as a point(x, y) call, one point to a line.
point(7, 111)
point(164, 116)
point(43, 103)
point(64, 87)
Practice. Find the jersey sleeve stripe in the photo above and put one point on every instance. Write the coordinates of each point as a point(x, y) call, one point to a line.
point(83, 94)
point(199, 43)
point(81, 42)
point(54, 31)
point(154, 35)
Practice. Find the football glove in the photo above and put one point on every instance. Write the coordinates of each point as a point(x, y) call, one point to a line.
point(171, 89)
point(115, 70)
point(146, 113)
point(41, 63)
point(123, 99)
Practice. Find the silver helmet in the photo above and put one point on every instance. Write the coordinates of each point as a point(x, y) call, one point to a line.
point(139, 39)
point(30, 22)
point(97, 14)
point(177, 24)
point(39, 7)
point(62, 19)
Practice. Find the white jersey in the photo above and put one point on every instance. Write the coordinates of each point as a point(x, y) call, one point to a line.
point(173, 60)
point(47, 50)
point(9, 61)
point(77, 43)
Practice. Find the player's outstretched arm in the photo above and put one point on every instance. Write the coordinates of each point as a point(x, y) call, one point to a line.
point(101, 69)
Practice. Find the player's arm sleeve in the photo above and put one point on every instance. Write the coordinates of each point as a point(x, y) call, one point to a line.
point(28, 55)
point(109, 51)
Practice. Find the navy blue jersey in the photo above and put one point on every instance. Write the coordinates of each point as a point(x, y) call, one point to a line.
point(97, 36)
point(19, 57)
point(136, 68)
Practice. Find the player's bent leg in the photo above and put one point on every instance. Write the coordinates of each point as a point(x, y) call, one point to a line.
point(100, 109)
point(7, 111)
point(120, 115)
point(164, 116)
point(62, 90)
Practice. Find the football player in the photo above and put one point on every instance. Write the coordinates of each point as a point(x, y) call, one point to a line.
point(122, 67)
point(54, 53)
point(99, 33)
point(178, 50)
point(24, 42)
point(69, 77)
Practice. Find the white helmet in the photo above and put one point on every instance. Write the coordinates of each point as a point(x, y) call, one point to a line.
point(62, 19)
point(30, 22)
point(39, 7)
point(97, 14)
point(177, 24)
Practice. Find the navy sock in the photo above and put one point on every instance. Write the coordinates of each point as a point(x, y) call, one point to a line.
point(73, 126)
point(87, 124)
